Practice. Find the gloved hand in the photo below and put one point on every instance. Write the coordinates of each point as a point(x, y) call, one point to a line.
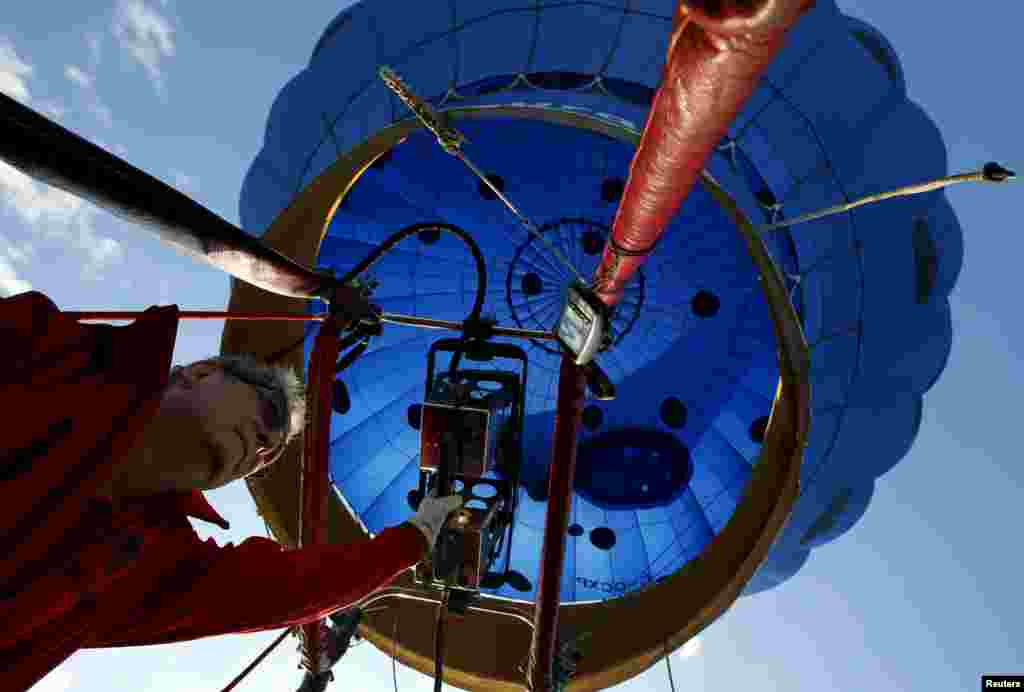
point(432, 514)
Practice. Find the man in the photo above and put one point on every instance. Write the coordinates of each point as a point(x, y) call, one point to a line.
point(104, 456)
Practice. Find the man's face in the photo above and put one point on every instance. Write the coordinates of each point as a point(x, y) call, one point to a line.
point(211, 429)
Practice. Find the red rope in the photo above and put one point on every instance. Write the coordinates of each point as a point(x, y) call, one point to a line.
point(199, 315)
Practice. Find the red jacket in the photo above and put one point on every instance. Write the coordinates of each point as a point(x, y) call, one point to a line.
point(76, 574)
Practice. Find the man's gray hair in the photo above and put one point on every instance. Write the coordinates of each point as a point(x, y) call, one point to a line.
point(279, 385)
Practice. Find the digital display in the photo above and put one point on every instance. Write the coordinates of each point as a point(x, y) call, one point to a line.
point(580, 329)
point(574, 328)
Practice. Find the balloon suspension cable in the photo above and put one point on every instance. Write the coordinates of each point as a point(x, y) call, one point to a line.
point(991, 173)
point(394, 652)
point(668, 663)
point(439, 641)
point(266, 652)
point(451, 140)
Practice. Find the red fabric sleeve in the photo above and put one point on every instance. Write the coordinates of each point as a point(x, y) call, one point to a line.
point(76, 399)
point(258, 585)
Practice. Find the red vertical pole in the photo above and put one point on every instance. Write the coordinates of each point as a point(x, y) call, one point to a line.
point(571, 384)
point(314, 466)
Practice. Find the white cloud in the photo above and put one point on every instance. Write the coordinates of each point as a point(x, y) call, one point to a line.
point(103, 252)
point(10, 284)
point(78, 76)
point(58, 216)
point(147, 36)
point(11, 254)
point(22, 254)
point(95, 104)
point(13, 72)
point(34, 202)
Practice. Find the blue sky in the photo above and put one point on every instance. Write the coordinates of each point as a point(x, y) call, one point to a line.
point(922, 594)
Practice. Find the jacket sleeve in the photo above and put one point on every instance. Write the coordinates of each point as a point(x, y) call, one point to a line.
point(259, 585)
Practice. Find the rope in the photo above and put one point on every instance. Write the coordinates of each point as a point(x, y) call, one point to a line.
point(451, 140)
point(257, 661)
point(991, 173)
point(394, 651)
point(668, 662)
point(439, 642)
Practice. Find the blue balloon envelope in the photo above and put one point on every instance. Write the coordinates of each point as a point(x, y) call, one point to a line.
point(661, 468)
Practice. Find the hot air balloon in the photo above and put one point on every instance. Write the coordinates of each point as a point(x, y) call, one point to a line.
point(728, 325)
point(552, 101)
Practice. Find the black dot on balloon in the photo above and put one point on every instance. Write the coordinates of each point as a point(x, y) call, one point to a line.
point(758, 429)
point(673, 413)
point(575, 530)
point(340, 402)
point(705, 304)
point(612, 189)
point(414, 412)
point(486, 192)
point(603, 538)
point(531, 284)
point(429, 236)
point(592, 242)
point(592, 417)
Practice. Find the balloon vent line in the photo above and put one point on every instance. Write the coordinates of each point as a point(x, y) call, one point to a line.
point(451, 140)
point(991, 173)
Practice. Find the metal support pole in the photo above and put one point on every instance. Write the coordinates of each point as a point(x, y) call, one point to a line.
point(571, 387)
point(313, 529)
